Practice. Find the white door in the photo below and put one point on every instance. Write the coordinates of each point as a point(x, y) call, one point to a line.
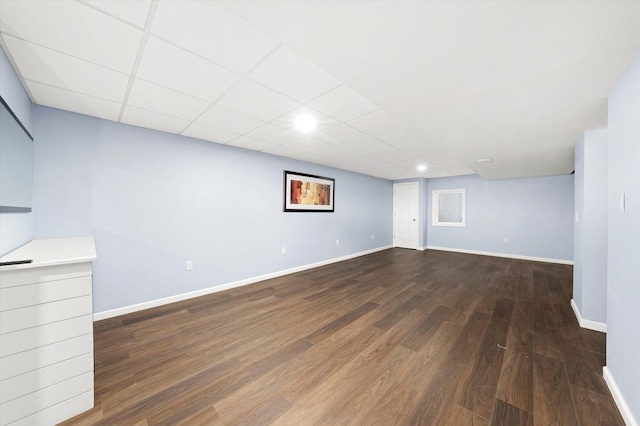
point(405, 215)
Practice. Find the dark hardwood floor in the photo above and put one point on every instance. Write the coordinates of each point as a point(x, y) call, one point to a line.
point(396, 337)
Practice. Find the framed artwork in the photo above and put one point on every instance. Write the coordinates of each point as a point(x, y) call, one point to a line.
point(308, 193)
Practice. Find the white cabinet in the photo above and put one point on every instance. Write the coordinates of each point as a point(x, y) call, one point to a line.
point(46, 332)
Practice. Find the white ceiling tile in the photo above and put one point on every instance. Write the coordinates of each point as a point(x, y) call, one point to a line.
point(364, 165)
point(430, 152)
point(272, 134)
point(75, 102)
point(257, 101)
point(250, 143)
point(73, 28)
point(56, 69)
point(308, 144)
point(152, 120)
point(375, 122)
point(226, 119)
point(525, 94)
point(360, 163)
point(293, 75)
point(331, 151)
point(133, 12)
point(384, 174)
point(340, 134)
point(336, 162)
point(457, 168)
point(212, 32)
point(288, 120)
point(351, 156)
point(207, 133)
point(344, 104)
point(177, 69)
point(365, 144)
point(400, 136)
point(392, 155)
point(310, 157)
point(435, 171)
point(326, 161)
point(164, 101)
point(282, 151)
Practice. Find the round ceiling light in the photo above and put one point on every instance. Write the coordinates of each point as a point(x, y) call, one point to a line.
point(422, 168)
point(305, 123)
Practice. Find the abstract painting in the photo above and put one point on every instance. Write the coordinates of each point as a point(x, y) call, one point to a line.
point(308, 193)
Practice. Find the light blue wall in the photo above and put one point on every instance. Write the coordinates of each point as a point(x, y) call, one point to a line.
point(623, 292)
point(590, 243)
point(536, 214)
point(578, 264)
point(423, 187)
point(155, 200)
point(16, 229)
point(13, 93)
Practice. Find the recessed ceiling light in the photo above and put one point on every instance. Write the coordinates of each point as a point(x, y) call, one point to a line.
point(422, 167)
point(485, 160)
point(305, 123)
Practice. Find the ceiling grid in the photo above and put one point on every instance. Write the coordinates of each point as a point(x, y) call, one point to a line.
point(392, 85)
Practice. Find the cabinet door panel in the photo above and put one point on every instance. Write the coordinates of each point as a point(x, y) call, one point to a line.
point(46, 397)
point(31, 338)
point(59, 412)
point(35, 294)
point(33, 316)
point(14, 277)
point(31, 381)
point(23, 362)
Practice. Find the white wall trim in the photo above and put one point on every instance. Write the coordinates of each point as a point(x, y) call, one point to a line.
point(184, 296)
point(421, 248)
point(627, 415)
point(507, 255)
point(585, 323)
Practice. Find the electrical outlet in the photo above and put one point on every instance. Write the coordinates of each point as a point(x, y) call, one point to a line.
point(372, 236)
point(337, 242)
point(188, 265)
point(506, 239)
point(284, 250)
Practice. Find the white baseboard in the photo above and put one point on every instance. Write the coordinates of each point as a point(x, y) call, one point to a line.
point(507, 255)
point(627, 415)
point(184, 296)
point(585, 323)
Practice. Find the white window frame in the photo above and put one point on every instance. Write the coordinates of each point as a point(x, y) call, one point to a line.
point(435, 207)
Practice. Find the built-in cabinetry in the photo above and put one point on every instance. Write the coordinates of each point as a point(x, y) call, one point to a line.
point(46, 332)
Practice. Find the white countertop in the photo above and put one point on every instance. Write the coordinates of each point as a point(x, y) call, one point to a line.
point(52, 251)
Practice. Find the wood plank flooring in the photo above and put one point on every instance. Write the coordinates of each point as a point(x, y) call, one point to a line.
point(395, 337)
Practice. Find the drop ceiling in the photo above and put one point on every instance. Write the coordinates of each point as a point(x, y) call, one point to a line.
point(393, 84)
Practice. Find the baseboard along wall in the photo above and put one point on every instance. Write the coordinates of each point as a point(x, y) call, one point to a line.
point(184, 296)
point(625, 411)
point(585, 323)
point(507, 255)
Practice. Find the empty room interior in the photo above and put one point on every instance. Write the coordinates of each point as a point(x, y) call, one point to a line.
point(319, 212)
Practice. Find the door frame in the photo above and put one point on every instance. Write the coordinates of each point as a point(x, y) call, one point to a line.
point(417, 200)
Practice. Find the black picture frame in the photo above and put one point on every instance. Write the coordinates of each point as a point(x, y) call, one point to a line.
point(303, 192)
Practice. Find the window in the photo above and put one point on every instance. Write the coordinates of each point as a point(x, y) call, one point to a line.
point(448, 207)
